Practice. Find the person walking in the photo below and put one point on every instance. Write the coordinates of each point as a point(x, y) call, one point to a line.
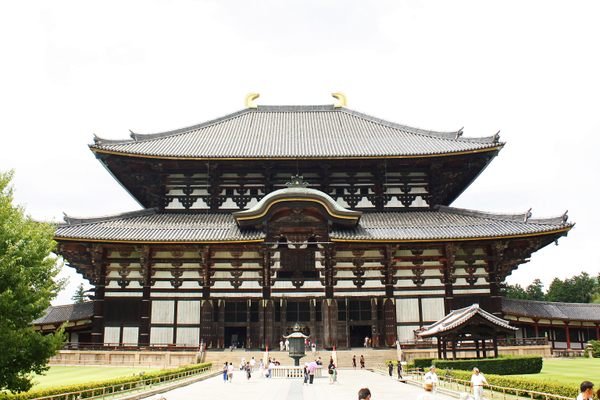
point(477, 382)
point(586, 391)
point(305, 370)
point(331, 371)
point(230, 372)
point(399, 368)
point(354, 361)
point(248, 371)
point(432, 377)
point(362, 361)
point(391, 369)
point(252, 364)
point(225, 372)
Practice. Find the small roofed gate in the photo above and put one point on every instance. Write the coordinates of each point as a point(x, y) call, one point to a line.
point(389, 316)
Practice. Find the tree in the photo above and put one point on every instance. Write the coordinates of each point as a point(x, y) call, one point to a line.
point(514, 292)
point(535, 291)
point(577, 289)
point(79, 296)
point(27, 272)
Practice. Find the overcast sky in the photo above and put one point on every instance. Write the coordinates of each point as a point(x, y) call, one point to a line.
point(530, 69)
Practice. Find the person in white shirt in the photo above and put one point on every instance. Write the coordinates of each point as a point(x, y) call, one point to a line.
point(428, 394)
point(252, 364)
point(431, 377)
point(230, 372)
point(477, 382)
point(586, 390)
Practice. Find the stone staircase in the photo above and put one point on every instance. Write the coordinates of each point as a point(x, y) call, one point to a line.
point(344, 357)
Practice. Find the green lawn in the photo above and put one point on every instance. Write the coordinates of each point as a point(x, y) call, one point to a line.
point(569, 371)
point(58, 376)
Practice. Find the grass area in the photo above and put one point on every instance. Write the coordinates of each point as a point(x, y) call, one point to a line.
point(569, 371)
point(58, 376)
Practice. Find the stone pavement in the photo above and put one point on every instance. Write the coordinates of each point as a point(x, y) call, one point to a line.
point(349, 382)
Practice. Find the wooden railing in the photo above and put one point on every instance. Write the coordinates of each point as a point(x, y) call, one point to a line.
point(457, 386)
point(112, 391)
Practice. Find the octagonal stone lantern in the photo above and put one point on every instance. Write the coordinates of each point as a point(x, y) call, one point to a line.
point(297, 340)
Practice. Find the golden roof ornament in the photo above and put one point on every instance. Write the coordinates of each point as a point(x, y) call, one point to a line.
point(341, 99)
point(250, 97)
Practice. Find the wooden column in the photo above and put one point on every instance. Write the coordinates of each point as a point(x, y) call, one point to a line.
point(329, 311)
point(99, 281)
point(266, 272)
point(146, 307)
point(483, 349)
point(206, 272)
point(568, 335)
point(449, 278)
point(495, 342)
point(439, 347)
point(536, 328)
point(477, 348)
point(266, 323)
point(329, 263)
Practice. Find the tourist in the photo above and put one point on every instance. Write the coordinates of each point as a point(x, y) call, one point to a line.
point(252, 364)
point(319, 361)
point(230, 372)
point(432, 377)
point(399, 368)
point(362, 361)
point(428, 392)
point(287, 345)
point(312, 367)
point(391, 369)
point(586, 391)
point(354, 361)
point(331, 371)
point(270, 369)
point(313, 348)
point(261, 368)
point(248, 371)
point(281, 345)
point(305, 371)
point(477, 382)
point(225, 372)
point(366, 342)
point(364, 394)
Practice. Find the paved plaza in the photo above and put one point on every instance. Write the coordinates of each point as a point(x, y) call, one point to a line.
point(349, 382)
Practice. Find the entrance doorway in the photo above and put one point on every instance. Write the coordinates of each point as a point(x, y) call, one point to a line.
point(358, 334)
point(235, 336)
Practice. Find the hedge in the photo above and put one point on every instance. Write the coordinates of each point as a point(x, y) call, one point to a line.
point(423, 363)
point(518, 383)
point(57, 390)
point(498, 366)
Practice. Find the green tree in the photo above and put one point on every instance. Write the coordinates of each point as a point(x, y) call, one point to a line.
point(27, 272)
point(79, 296)
point(514, 292)
point(535, 291)
point(577, 289)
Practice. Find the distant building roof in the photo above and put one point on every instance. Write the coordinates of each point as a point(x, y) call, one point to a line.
point(551, 310)
point(67, 312)
point(444, 223)
point(282, 132)
point(461, 317)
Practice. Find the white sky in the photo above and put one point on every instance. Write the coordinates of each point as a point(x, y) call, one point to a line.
point(531, 69)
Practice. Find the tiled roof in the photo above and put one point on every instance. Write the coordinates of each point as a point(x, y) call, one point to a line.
point(68, 312)
point(440, 224)
point(551, 310)
point(296, 132)
point(460, 317)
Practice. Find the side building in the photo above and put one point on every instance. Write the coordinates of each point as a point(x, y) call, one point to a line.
point(281, 214)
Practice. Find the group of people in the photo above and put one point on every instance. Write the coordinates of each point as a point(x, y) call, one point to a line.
point(431, 381)
point(398, 369)
point(362, 361)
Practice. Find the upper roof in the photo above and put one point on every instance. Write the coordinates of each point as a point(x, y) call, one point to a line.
point(460, 317)
point(551, 310)
point(284, 132)
point(443, 223)
point(68, 312)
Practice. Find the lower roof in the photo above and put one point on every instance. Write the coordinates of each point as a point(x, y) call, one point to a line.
point(440, 224)
point(68, 312)
point(551, 310)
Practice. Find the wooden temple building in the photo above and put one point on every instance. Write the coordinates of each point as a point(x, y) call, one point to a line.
point(274, 215)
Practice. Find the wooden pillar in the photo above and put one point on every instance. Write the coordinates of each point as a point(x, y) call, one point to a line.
point(206, 272)
point(312, 314)
point(330, 317)
point(221, 324)
point(449, 278)
point(329, 263)
point(454, 349)
point(374, 328)
point(266, 272)
point(477, 348)
point(495, 342)
point(568, 335)
point(146, 306)
point(389, 316)
point(483, 349)
point(99, 281)
point(439, 347)
point(536, 328)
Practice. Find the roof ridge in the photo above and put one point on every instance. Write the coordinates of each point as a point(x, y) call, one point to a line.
point(524, 217)
point(138, 137)
point(446, 135)
point(128, 214)
point(553, 302)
